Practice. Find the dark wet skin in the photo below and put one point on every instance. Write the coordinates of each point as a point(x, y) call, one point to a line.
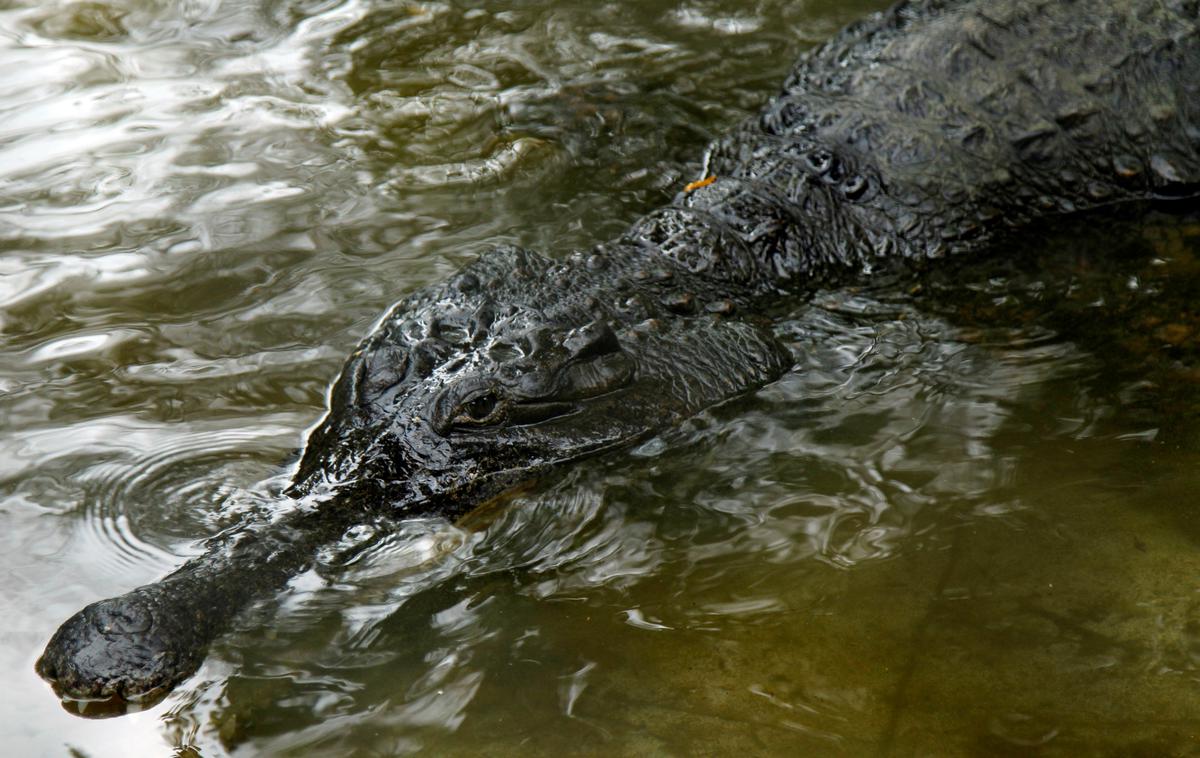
point(931, 130)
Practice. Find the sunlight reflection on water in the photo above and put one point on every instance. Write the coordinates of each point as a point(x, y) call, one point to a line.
point(934, 532)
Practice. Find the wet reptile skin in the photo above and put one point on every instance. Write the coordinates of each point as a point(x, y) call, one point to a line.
point(926, 131)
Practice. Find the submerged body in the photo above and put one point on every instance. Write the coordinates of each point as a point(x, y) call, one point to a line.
point(927, 131)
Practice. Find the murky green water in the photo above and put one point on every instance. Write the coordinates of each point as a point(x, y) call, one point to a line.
point(964, 525)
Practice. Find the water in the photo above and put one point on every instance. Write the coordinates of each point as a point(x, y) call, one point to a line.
point(963, 525)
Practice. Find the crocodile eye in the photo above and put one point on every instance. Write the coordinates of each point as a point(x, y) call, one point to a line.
point(483, 409)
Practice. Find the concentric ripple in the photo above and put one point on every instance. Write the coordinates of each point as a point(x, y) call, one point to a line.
point(963, 524)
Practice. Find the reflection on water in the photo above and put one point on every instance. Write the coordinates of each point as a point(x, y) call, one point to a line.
point(962, 524)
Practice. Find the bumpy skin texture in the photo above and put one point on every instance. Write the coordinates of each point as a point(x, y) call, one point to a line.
point(138, 646)
point(925, 131)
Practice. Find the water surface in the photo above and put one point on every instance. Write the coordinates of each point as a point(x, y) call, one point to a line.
point(964, 524)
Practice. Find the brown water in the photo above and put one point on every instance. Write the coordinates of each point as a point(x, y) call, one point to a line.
point(964, 525)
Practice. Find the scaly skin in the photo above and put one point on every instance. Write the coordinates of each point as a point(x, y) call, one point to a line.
point(925, 131)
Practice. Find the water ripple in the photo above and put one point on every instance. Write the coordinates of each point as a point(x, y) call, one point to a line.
point(203, 205)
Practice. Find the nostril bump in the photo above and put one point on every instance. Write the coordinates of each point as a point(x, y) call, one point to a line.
point(121, 618)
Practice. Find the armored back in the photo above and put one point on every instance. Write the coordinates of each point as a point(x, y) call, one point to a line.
point(932, 128)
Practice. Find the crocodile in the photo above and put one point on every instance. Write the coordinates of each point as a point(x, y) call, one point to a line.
point(930, 130)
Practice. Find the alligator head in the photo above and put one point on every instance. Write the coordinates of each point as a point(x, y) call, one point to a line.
point(465, 390)
point(514, 366)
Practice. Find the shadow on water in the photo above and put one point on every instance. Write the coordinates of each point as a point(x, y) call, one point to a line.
point(962, 525)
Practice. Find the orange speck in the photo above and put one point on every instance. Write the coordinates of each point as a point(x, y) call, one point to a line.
point(700, 183)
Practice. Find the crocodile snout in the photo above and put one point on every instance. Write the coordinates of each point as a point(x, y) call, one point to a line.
point(110, 651)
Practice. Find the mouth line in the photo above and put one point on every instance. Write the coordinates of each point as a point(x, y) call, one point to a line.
point(526, 412)
point(111, 706)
